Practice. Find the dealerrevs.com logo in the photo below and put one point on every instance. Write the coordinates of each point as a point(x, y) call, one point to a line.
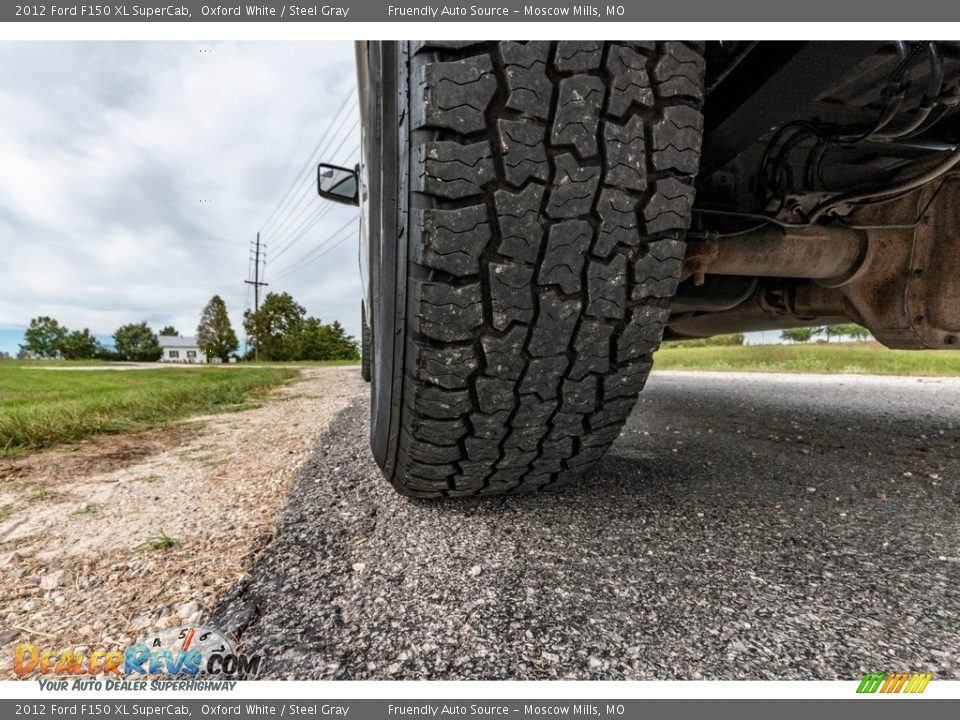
point(189, 650)
point(888, 683)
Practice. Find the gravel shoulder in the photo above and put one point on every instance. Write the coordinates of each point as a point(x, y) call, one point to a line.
point(82, 559)
point(742, 527)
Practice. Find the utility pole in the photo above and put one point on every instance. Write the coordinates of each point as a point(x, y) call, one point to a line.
point(256, 288)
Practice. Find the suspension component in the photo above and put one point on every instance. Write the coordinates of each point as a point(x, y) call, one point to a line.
point(901, 280)
point(828, 255)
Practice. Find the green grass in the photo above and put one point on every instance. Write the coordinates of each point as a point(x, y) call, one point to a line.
point(242, 363)
point(42, 408)
point(160, 542)
point(300, 363)
point(7, 363)
point(861, 358)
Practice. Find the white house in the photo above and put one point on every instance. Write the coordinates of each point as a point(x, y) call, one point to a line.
point(181, 350)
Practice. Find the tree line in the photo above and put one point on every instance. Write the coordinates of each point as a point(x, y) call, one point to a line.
point(793, 335)
point(806, 334)
point(279, 330)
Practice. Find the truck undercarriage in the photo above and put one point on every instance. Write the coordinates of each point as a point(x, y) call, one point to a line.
point(827, 192)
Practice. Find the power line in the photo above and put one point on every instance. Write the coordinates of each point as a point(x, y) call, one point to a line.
point(307, 180)
point(295, 233)
point(308, 190)
point(284, 226)
point(257, 283)
point(282, 242)
point(312, 255)
point(311, 221)
point(307, 168)
point(350, 157)
point(333, 247)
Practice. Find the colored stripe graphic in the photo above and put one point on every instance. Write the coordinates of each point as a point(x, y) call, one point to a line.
point(871, 682)
point(888, 683)
point(918, 683)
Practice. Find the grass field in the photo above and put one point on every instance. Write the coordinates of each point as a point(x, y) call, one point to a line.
point(106, 363)
point(40, 408)
point(52, 363)
point(305, 363)
point(861, 358)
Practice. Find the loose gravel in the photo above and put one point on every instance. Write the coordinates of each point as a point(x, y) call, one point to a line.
point(743, 526)
point(83, 560)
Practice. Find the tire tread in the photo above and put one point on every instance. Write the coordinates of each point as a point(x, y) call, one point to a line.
point(553, 197)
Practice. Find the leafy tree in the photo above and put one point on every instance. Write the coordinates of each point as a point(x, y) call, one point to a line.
point(274, 330)
point(137, 342)
point(43, 337)
point(215, 335)
point(80, 345)
point(315, 341)
point(715, 341)
point(325, 342)
point(281, 330)
point(108, 354)
point(858, 332)
point(169, 331)
point(828, 331)
point(344, 346)
point(799, 335)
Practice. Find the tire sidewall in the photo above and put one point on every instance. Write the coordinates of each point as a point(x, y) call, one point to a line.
point(388, 265)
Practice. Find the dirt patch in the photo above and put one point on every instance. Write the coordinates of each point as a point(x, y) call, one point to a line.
point(103, 542)
point(99, 455)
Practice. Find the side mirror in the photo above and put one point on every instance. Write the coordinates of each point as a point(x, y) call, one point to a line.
point(338, 184)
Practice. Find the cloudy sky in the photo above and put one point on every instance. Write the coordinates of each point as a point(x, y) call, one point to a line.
point(134, 175)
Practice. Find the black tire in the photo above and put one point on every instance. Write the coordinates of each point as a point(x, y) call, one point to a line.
point(364, 345)
point(542, 192)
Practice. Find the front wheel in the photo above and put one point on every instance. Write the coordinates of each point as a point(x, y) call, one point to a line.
point(533, 209)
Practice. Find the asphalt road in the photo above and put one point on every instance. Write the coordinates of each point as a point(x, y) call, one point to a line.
point(743, 526)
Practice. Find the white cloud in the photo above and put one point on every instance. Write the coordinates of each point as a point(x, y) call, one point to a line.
point(134, 176)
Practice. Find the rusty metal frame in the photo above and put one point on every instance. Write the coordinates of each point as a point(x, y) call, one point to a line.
point(901, 279)
point(935, 267)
